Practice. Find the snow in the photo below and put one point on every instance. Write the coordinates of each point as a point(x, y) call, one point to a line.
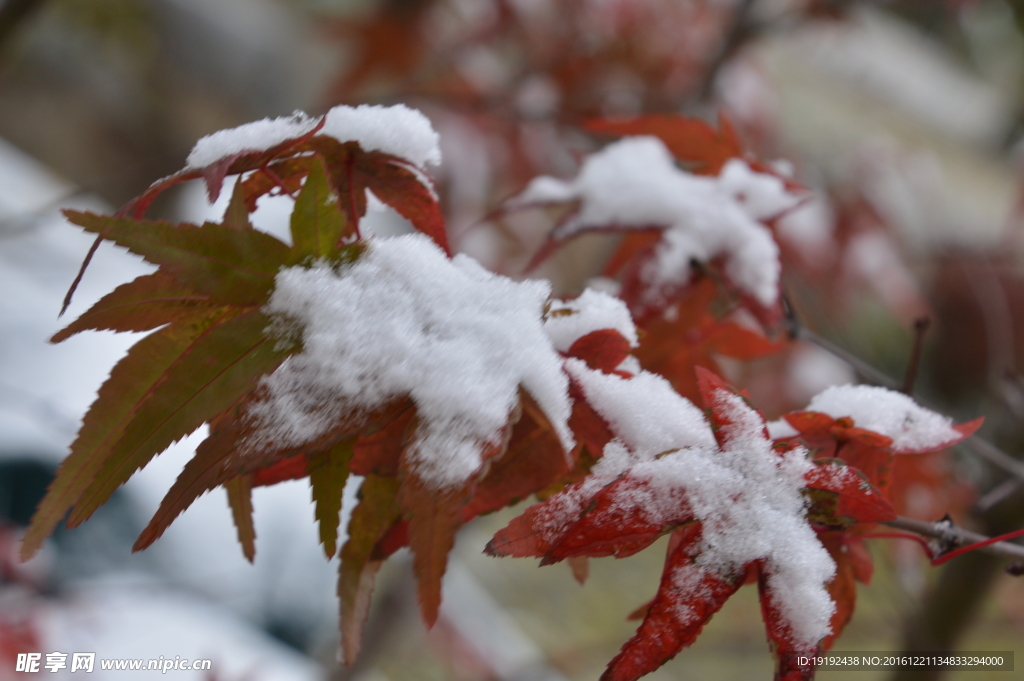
point(893, 414)
point(568, 321)
point(747, 496)
point(634, 183)
point(404, 320)
point(647, 418)
point(396, 130)
point(749, 501)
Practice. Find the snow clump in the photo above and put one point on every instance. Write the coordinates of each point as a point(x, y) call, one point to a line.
point(396, 130)
point(567, 322)
point(634, 183)
point(893, 414)
point(405, 320)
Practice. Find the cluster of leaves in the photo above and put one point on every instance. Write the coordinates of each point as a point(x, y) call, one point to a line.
point(210, 347)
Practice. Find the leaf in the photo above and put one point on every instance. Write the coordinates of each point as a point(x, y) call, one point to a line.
point(290, 468)
point(378, 453)
point(842, 588)
point(208, 377)
point(687, 598)
point(713, 392)
point(131, 382)
point(853, 496)
point(786, 652)
point(143, 304)
point(237, 214)
point(532, 461)
point(434, 515)
point(318, 225)
point(392, 180)
point(239, 491)
point(328, 472)
point(230, 266)
point(405, 189)
point(617, 521)
point(603, 350)
point(376, 511)
point(688, 139)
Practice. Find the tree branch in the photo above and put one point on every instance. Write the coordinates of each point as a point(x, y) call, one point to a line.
point(951, 536)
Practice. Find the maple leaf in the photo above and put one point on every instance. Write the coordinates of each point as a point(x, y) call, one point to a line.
point(692, 336)
point(662, 495)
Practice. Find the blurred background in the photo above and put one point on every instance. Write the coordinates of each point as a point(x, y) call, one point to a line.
point(903, 117)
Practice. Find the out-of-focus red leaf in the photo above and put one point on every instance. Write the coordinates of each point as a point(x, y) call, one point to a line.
point(603, 350)
point(691, 140)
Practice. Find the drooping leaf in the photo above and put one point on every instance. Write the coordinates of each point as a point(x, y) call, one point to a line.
point(239, 491)
point(402, 187)
point(788, 654)
point(318, 224)
point(231, 266)
point(222, 364)
point(376, 511)
point(131, 382)
point(842, 588)
point(143, 304)
point(236, 216)
point(328, 472)
point(433, 515)
point(687, 597)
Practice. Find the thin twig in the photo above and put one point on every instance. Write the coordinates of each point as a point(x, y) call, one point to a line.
point(955, 536)
point(910, 377)
point(863, 369)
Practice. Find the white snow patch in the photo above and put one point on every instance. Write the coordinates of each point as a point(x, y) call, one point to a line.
point(568, 321)
point(396, 130)
point(404, 320)
point(634, 183)
point(644, 411)
point(893, 414)
point(256, 136)
point(647, 418)
point(748, 498)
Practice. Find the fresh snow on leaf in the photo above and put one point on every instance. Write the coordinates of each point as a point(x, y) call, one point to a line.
point(254, 136)
point(647, 418)
point(634, 183)
point(593, 310)
point(396, 130)
point(780, 430)
point(747, 496)
point(893, 414)
point(749, 500)
point(404, 320)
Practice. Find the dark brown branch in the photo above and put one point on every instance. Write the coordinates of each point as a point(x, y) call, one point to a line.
point(910, 377)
